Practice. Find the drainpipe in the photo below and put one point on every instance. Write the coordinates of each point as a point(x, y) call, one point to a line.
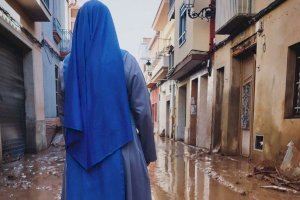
point(212, 34)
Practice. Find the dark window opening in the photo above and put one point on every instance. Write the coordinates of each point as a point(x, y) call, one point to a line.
point(297, 85)
point(182, 25)
point(171, 59)
point(259, 142)
point(171, 14)
point(292, 93)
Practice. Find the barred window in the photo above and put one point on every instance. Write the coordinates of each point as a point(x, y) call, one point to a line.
point(297, 85)
point(292, 93)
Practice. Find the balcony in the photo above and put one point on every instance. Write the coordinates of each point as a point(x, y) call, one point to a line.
point(66, 43)
point(57, 31)
point(36, 10)
point(160, 71)
point(194, 61)
point(232, 15)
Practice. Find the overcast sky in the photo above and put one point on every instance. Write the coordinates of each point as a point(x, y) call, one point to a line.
point(133, 20)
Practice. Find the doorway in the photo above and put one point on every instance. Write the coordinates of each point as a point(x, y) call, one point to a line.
point(247, 102)
point(181, 112)
point(168, 110)
point(193, 118)
point(217, 135)
point(12, 98)
point(203, 137)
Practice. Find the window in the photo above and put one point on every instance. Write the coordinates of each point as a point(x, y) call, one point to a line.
point(171, 59)
point(171, 14)
point(182, 25)
point(292, 95)
point(46, 2)
point(297, 85)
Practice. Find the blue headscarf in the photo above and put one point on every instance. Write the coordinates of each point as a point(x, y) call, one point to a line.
point(97, 113)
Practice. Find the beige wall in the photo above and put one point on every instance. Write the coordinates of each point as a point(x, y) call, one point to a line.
point(197, 35)
point(259, 4)
point(270, 84)
point(279, 34)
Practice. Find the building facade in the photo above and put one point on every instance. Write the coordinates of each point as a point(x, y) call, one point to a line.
point(236, 76)
point(161, 58)
point(22, 118)
point(190, 71)
point(57, 37)
point(256, 77)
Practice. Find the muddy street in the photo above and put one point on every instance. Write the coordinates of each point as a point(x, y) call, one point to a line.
point(181, 172)
point(185, 172)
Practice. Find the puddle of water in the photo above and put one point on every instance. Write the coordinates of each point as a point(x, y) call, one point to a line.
point(182, 172)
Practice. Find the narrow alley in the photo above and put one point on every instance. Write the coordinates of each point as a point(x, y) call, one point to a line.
point(181, 172)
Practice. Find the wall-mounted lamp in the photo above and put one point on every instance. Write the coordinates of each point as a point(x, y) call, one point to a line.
point(148, 63)
point(149, 68)
point(205, 13)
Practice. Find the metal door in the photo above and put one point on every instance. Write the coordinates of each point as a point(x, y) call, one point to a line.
point(12, 102)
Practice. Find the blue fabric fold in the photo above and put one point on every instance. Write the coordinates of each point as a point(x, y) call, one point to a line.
point(96, 108)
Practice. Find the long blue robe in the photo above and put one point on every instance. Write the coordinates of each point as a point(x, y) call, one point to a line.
point(96, 108)
point(136, 153)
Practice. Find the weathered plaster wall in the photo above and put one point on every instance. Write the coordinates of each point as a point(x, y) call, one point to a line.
point(223, 59)
point(270, 84)
point(278, 35)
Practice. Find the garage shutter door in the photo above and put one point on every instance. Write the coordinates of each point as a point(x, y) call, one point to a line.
point(12, 102)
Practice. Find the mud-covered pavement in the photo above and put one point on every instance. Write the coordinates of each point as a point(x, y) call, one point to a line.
point(181, 172)
point(33, 177)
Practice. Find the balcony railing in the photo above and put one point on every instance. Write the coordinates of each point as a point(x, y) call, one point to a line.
point(233, 14)
point(66, 42)
point(57, 31)
point(160, 70)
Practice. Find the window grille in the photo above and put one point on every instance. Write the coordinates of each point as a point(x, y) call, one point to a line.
point(297, 85)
